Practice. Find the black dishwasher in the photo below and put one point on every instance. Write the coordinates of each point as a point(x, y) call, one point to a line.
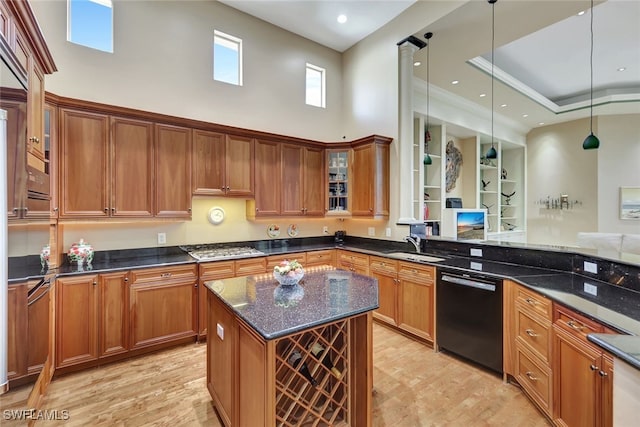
point(469, 316)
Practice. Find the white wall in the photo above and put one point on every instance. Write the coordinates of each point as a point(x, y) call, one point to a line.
point(164, 64)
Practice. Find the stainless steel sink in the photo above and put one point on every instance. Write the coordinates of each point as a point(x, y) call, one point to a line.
point(415, 257)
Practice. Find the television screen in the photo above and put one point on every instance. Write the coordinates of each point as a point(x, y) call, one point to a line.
point(470, 225)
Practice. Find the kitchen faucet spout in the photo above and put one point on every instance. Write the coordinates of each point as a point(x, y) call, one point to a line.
point(415, 241)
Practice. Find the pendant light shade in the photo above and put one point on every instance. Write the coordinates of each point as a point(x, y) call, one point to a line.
point(427, 136)
point(591, 142)
point(491, 152)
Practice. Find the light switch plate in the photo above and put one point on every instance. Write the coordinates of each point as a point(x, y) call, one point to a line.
point(590, 289)
point(591, 267)
point(476, 252)
point(387, 232)
point(162, 238)
point(220, 331)
point(372, 231)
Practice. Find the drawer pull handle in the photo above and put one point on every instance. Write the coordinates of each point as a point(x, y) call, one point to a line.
point(593, 367)
point(165, 275)
point(531, 377)
point(531, 333)
point(573, 325)
point(530, 301)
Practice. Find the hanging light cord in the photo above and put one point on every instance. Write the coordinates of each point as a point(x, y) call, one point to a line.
point(427, 89)
point(591, 68)
point(493, 40)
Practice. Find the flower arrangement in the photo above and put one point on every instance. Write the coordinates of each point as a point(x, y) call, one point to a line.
point(288, 272)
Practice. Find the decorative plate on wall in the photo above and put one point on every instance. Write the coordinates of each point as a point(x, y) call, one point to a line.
point(215, 215)
point(273, 230)
point(292, 230)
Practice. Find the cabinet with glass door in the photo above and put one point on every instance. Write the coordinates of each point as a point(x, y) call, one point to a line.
point(338, 169)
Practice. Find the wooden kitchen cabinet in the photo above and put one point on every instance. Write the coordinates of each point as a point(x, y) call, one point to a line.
point(164, 305)
point(173, 171)
point(268, 187)
point(302, 172)
point(386, 272)
point(416, 299)
point(249, 266)
point(92, 317)
point(273, 260)
point(353, 261)
point(223, 165)
point(17, 331)
point(582, 373)
point(370, 196)
point(210, 271)
point(322, 257)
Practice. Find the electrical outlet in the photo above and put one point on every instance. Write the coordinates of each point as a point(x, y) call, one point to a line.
point(220, 331)
point(476, 252)
point(590, 289)
point(372, 231)
point(162, 238)
point(591, 267)
point(387, 232)
point(325, 230)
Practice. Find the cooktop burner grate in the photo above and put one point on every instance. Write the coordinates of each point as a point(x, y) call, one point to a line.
point(214, 252)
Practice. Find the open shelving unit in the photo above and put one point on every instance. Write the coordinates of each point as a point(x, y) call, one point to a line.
point(298, 402)
point(428, 179)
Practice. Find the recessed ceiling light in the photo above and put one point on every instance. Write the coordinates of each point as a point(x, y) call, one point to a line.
point(622, 68)
point(525, 115)
point(482, 95)
point(582, 12)
point(503, 105)
point(541, 123)
point(417, 63)
point(455, 82)
point(342, 18)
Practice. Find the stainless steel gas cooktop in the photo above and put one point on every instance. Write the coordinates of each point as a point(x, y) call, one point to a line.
point(211, 252)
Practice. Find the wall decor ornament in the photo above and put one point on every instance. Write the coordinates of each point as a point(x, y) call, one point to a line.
point(454, 163)
point(630, 203)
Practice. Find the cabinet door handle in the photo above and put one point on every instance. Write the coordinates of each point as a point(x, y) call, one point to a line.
point(573, 325)
point(95, 283)
point(165, 275)
point(228, 188)
point(126, 279)
point(603, 373)
point(593, 367)
point(222, 188)
point(26, 210)
point(113, 210)
point(106, 210)
point(531, 376)
point(531, 333)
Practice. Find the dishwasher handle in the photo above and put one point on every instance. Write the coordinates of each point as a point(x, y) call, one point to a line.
point(468, 282)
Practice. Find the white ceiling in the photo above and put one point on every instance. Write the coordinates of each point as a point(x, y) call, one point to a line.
point(541, 49)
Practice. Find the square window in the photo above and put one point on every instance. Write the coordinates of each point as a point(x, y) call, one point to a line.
point(227, 58)
point(90, 23)
point(315, 85)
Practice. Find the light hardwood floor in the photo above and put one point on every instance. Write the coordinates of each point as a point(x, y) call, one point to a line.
point(413, 386)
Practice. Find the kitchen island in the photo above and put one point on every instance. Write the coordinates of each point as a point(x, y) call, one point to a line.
point(293, 355)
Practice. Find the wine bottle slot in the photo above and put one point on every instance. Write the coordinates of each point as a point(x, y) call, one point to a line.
point(318, 352)
point(294, 360)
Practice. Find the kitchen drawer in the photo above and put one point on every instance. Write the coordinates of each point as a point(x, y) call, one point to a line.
point(164, 274)
point(217, 270)
point(249, 266)
point(534, 378)
point(574, 323)
point(326, 257)
point(273, 260)
point(534, 301)
point(533, 333)
point(413, 272)
point(383, 265)
point(350, 258)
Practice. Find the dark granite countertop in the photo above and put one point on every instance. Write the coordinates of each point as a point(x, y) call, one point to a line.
point(625, 347)
point(275, 311)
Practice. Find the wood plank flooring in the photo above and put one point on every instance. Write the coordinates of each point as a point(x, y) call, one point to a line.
point(413, 386)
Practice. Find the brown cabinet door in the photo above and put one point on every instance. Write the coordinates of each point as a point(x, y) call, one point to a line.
point(131, 168)
point(113, 329)
point(209, 160)
point(415, 295)
point(35, 117)
point(362, 204)
point(387, 297)
point(240, 166)
point(314, 186)
point(173, 171)
point(210, 271)
point(268, 191)
point(17, 331)
point(575, 373)
point(76, 316)
point(16, 156)
point(38, 328)
point(291, 180)
point(84, 164)
point(606, 396)
point(162, 312)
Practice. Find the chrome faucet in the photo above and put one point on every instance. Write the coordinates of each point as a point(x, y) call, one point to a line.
point(415, 241)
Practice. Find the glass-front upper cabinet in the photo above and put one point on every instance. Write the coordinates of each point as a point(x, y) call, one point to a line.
point(339, 174)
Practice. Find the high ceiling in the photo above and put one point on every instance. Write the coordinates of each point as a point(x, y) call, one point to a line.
point(541, 56)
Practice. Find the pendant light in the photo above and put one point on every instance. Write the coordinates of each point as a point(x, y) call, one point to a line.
point(591, 141)
point(427, 136)
point(491, 152)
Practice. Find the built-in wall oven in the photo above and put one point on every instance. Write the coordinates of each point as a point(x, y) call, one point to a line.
point(469, 316)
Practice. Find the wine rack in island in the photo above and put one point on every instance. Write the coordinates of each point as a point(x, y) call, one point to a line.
point(312, 372)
